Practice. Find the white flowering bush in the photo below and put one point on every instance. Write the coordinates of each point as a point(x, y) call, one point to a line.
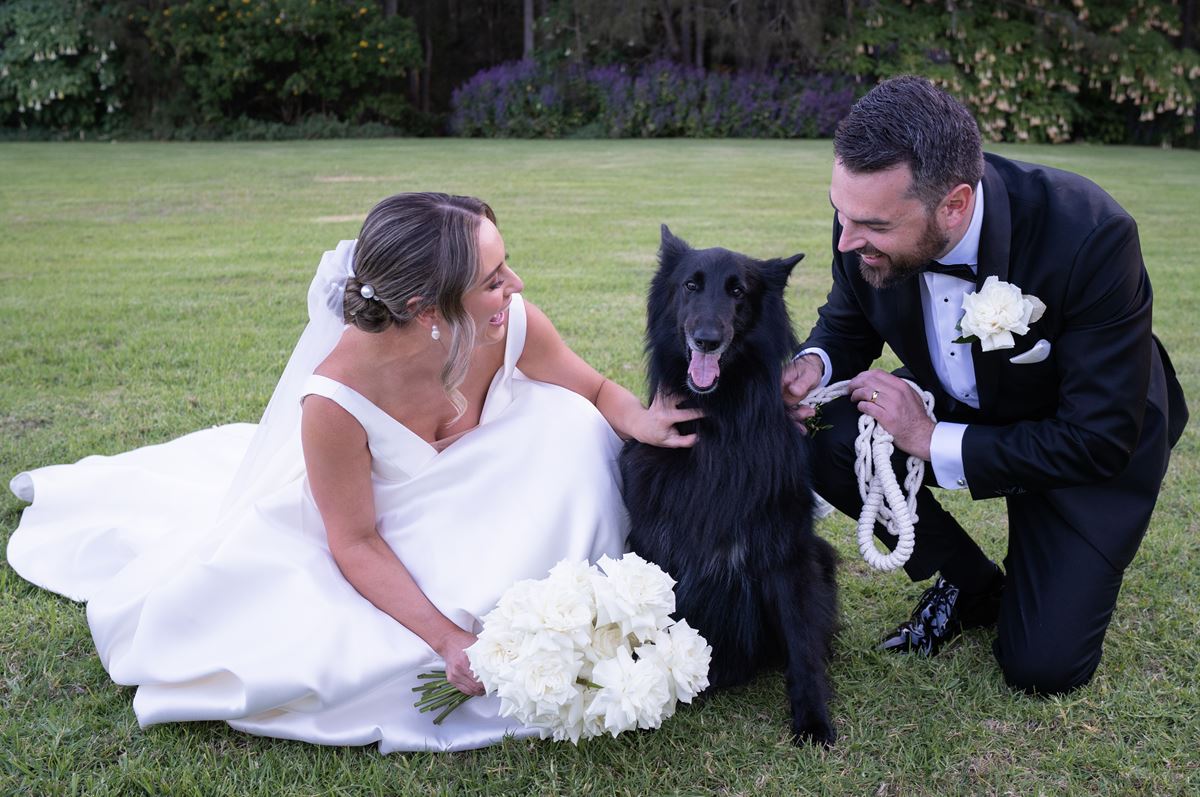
point(56, 67)
point(585, 651)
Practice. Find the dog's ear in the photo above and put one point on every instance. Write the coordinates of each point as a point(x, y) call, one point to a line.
point(671, 248)
point(776, 272)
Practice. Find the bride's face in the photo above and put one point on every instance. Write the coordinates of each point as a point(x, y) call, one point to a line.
point(488, 299)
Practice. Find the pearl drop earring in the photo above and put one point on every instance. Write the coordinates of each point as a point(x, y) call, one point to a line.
point(435, 333)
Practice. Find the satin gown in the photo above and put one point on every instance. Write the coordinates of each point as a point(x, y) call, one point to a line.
point(251, 622)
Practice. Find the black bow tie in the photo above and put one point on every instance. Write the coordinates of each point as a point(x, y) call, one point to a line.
point(960, 270)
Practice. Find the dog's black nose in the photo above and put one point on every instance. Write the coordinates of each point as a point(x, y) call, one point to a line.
point(706, 340)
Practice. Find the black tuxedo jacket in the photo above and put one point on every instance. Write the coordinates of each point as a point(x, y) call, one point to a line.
point(1075, 417)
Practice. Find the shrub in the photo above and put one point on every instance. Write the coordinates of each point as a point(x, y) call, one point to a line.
point(1045, 71)
point(511, 99)
point(57, 69)
point(522, 99)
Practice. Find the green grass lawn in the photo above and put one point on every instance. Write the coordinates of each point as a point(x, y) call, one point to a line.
point(147, 290)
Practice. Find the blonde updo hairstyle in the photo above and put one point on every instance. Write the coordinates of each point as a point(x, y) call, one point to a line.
point(423, 246)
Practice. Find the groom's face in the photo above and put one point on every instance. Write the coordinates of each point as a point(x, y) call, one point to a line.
point(890, 231)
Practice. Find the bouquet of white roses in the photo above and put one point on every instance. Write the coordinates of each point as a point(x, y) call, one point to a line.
point(584, 652)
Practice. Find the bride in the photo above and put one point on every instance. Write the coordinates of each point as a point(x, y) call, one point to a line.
point(431, 441)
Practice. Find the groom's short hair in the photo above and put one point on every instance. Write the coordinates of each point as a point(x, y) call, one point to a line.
point(907, 120)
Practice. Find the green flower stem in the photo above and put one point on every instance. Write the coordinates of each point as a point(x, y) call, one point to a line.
point(462, 698)
point(438, 693)
point(431, 698)
point(435, 701)
point(433, 688)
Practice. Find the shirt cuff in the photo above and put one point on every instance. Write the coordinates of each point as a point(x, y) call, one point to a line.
point(828, 370)
point(945, 453)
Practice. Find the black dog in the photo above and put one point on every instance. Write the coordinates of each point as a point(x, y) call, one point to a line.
point(731, 518)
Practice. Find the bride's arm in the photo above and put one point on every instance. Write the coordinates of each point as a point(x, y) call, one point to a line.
point(339, 474)
point(548, 359)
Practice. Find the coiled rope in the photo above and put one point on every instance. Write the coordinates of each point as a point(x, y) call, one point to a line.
point(881, 496)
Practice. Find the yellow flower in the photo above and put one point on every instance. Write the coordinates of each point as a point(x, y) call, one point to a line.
point(364, 43)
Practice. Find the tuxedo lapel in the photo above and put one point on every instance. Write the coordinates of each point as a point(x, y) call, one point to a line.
point(996, 234)
point(994, 240)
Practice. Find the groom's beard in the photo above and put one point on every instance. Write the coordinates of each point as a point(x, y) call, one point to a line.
point(902, 266)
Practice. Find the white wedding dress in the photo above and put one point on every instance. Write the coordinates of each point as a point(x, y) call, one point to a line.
point(243, 615)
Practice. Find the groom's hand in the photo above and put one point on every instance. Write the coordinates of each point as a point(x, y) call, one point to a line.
point(898, 409)
point(800, 377)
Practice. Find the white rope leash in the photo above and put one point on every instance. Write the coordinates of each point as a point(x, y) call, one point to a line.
point(881, 495)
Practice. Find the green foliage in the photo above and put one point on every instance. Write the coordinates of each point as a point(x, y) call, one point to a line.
point(57, 68)
point(282, 59)
point(1032, 70)
point(1043, 70)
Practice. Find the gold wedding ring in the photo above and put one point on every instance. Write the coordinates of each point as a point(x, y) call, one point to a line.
point(874, 395)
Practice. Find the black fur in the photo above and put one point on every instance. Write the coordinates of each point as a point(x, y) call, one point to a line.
point(731, 518)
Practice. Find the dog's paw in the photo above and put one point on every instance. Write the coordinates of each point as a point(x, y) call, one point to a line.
point(816, 731)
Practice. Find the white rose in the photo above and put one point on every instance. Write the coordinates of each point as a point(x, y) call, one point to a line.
point(525, 606)
point(605, 641)
point(513, 700)
point(569, 725)
point(604, 644)
point(649, 659)
point(515, 605)
point(636, 595)
point(568, 610)
point(996, 311)
point(547, 677)
point(633, 694)
point(493, 655)
point(687, 656)
point(576, 575)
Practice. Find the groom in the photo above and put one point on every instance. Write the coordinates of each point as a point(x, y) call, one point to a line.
point(1070, 418)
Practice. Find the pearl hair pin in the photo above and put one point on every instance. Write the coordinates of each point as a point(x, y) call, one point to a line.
point(367, 291)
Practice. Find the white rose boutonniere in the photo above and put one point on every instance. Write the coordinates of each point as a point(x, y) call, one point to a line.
point(997, 311)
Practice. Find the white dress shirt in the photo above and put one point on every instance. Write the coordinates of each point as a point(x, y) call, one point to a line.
point(941, 305)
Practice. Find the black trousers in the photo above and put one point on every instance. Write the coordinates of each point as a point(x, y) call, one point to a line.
point(1067, 551)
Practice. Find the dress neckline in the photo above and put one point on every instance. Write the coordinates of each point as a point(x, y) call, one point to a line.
point(498, 390)
point(375, 408)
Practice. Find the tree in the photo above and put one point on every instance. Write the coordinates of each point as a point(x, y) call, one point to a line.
point(527, 38)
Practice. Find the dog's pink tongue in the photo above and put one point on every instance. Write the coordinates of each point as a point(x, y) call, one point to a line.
point(703, 369)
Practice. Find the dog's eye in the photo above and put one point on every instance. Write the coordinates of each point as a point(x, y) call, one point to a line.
point(691, 285)
point(737, 291)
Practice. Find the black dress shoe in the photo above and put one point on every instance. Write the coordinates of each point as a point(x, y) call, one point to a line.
point(942, 614)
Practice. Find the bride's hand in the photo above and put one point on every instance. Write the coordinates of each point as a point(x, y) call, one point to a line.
point(657, 426)
point(458, 667)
